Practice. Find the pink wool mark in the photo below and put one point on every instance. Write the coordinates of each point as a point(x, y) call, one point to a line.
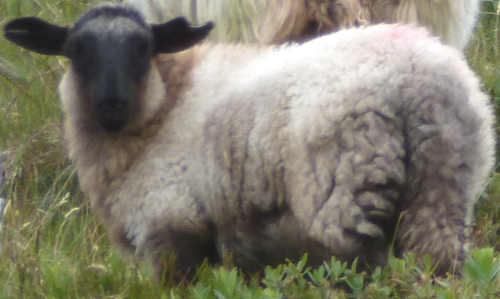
point(408, 32)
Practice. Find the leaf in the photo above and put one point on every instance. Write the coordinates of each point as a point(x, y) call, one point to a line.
point(481, 267)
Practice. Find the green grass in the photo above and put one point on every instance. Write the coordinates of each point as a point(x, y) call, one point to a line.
point(52, 246)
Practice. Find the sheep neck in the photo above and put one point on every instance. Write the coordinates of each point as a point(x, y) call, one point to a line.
point(102, 158)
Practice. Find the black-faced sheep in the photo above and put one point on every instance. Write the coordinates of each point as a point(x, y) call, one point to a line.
point(270, 152)
point(280, 21)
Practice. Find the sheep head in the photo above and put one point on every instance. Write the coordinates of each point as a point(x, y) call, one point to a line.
point(111, 49)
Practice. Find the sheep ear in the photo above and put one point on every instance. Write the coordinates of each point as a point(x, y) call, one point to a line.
point(177, 35)
point(37, 35)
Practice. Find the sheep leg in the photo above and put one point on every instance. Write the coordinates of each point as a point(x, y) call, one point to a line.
point(168, 225)
point(177, 253)
point(356, 218)
point(443, 152)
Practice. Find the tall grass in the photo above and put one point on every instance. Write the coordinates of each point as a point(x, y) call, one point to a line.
point(52, 246)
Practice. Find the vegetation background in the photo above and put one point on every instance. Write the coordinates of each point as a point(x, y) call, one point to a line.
point(52, 246)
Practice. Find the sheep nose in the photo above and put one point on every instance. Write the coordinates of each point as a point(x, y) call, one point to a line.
point(112, 104)
point(112, 113)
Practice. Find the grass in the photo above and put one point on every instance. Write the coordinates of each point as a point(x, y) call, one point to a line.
point(52, 246)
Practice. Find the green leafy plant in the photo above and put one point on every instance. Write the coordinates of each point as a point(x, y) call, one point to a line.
point(482, 268)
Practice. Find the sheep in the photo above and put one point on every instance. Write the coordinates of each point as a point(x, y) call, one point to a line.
point(193, 149)
point(297, 20)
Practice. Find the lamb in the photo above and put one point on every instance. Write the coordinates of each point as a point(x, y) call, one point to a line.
point(330, 147)
point(281, 21)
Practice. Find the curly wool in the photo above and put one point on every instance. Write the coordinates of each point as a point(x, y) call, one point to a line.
point(270, 152)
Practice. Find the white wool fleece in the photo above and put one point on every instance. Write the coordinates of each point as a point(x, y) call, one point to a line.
point(320, 147)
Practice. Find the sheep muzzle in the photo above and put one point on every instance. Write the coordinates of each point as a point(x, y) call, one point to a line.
point(112, 114)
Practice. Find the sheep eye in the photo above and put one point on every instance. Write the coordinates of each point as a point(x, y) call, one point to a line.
point(77, 48)
point(139, 45)
point(142, 47)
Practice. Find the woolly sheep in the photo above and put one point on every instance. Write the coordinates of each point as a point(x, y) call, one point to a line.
point(280, 21)
point(270, 152)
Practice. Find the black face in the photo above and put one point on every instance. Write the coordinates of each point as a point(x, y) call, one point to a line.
point(111, 66)
point(110, 48)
